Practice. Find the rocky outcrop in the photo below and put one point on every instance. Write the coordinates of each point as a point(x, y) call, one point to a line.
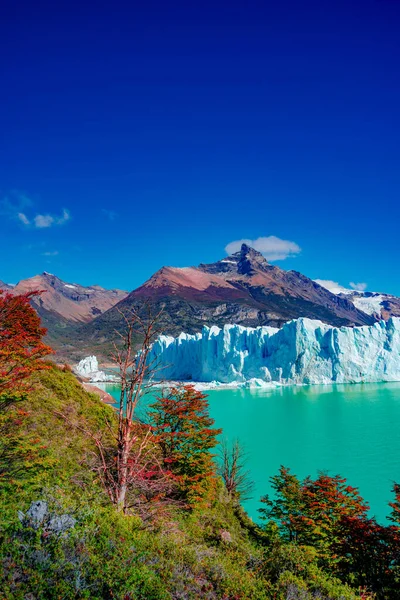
point(39, 516)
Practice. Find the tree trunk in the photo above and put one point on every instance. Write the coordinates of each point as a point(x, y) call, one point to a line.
point(124, 448)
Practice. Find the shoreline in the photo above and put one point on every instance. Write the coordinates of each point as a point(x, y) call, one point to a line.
point(252, 385)
point(93, 389)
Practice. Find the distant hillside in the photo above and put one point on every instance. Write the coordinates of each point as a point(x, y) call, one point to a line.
point(69, 301)
point(64, 306)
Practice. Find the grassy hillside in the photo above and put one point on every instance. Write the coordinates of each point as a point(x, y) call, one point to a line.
point(78, 546)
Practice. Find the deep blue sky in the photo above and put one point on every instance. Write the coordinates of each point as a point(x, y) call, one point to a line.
point(198, 124)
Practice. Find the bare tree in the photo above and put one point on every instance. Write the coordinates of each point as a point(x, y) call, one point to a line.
point(232, 469)
point(151, 484)
point(137, 377)
point(127, 456)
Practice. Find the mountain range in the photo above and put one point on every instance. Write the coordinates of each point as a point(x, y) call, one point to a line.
point(63, 307)
point(242, 288)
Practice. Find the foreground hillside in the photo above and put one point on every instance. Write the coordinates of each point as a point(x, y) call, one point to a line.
point(77, 545)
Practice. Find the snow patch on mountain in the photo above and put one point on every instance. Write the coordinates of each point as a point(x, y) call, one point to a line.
point(369, 304)
point(303, 351)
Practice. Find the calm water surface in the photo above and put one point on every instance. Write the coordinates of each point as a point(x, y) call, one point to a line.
point(351, 430)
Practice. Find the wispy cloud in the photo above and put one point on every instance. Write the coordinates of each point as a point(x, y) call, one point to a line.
point(23, 218)
point(13, 205)
point(50, 253)
point(359, 287)
point(17, 206)
point(336, 288)
point(43, 221)
point(332, 286)
point(110, 214)
point(272, 247)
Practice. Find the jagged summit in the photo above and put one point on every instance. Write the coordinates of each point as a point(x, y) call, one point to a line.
point(250, 253)
point(244, 262)
point(250, 260)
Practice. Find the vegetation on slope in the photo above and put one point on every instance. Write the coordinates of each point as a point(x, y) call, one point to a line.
point(207, 552)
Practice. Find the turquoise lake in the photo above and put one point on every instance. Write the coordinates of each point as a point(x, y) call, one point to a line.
point(351, 430)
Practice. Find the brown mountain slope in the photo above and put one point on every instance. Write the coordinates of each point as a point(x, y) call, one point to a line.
point(70, 301)
point(242, 288)
point(63, 307)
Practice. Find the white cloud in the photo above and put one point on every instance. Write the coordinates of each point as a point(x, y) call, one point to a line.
point(42, 221)
point(272, 247)
point(23, 218)
point(359, 287)
point(332, 286)
point(53, 253)
point(336, 288)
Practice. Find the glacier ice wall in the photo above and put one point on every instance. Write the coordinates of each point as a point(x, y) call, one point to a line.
point(302, 351)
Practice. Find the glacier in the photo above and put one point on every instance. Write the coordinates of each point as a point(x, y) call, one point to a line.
point(303, 351)
point(89, 367)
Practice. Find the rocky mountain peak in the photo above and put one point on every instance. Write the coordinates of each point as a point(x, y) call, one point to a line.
point(50, 278)
point(245, 249)
point(249, 260)
point(244, 262)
